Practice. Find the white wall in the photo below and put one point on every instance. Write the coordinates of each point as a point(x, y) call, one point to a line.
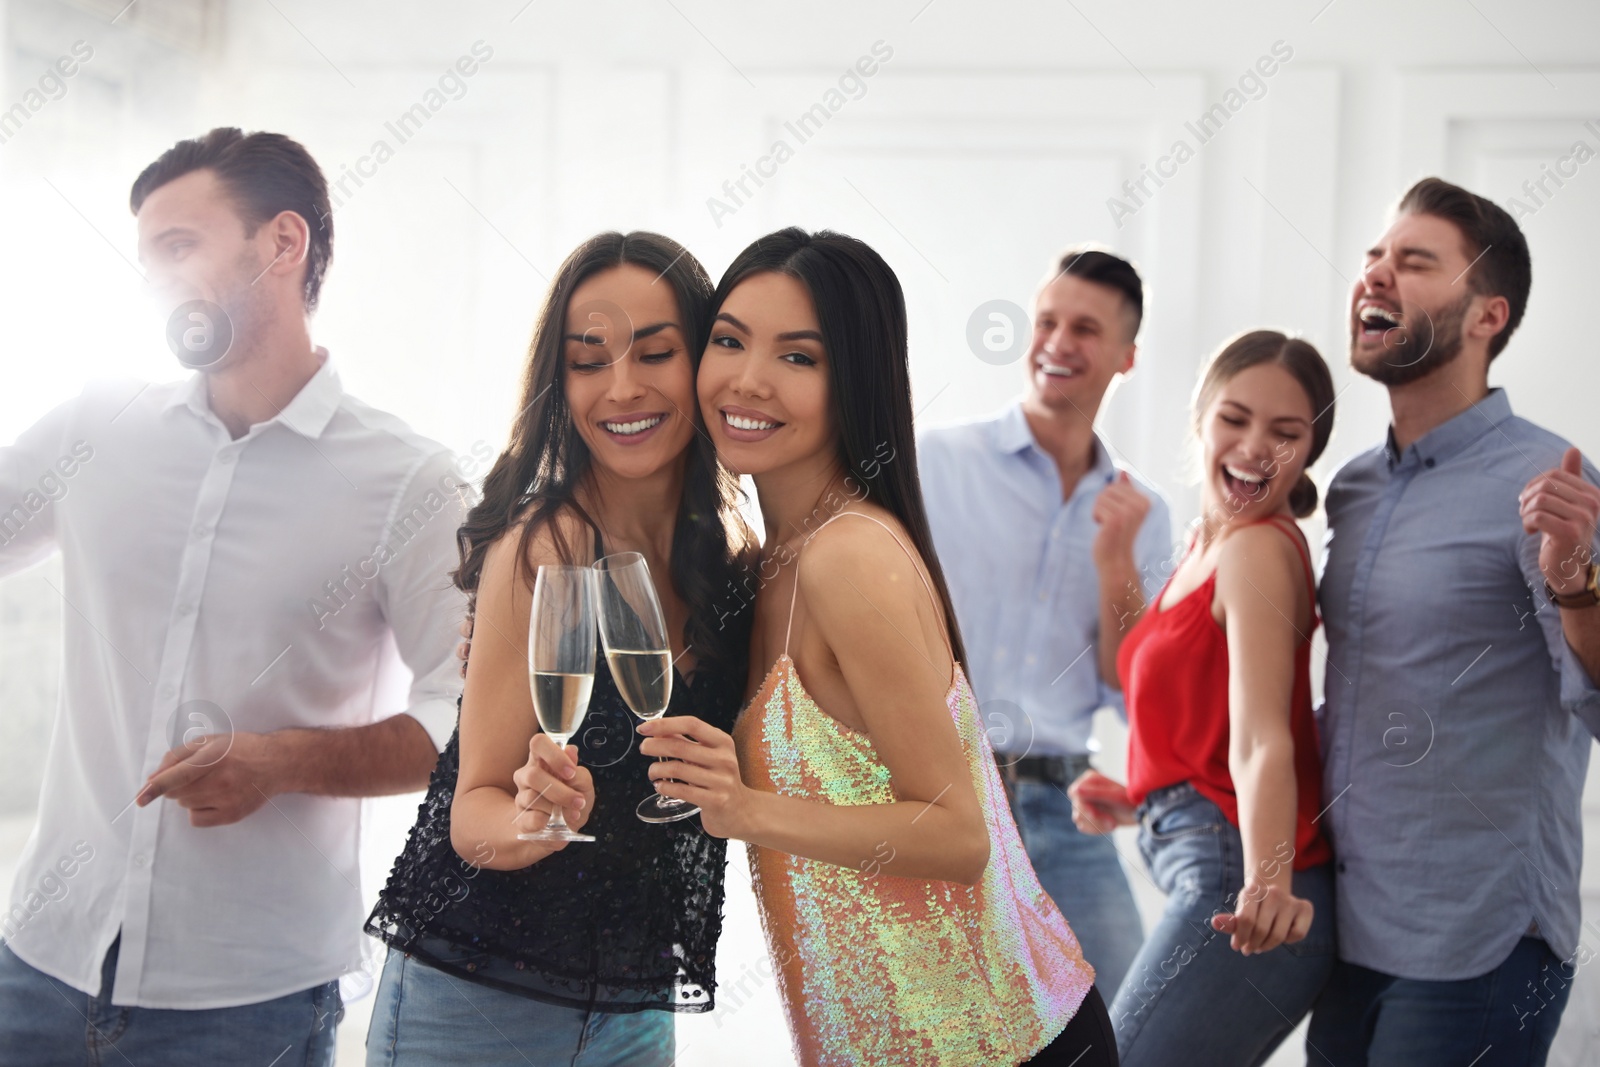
point(994, 134)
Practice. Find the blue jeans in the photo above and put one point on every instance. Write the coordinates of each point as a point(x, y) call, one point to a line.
point(1189, 996)
point(424, 1017)
point(1082, 875)
point(1504, 1018)
point(47, 1023)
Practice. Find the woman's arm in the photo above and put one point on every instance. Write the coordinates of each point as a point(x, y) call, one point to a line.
point(865, 597)
point(1261, 589)
point(512, 775)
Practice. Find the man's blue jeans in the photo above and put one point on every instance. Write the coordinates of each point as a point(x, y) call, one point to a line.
point(1507, 1017)
point(47, 1023)
point(1082, 875)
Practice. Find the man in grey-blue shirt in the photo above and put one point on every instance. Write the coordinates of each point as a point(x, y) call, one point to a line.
point(1460, 597)
point(1026, 508)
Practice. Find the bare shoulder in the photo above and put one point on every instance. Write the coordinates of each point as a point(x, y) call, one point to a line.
point(861, 546)
point(1262, 555)
point(566, 530)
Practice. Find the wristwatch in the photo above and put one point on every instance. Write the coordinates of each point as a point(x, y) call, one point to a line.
point(1587, 597)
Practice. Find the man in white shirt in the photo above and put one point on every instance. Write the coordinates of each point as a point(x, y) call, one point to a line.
point(246, 555)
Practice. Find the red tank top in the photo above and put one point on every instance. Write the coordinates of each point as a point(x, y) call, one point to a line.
point(1174, 670)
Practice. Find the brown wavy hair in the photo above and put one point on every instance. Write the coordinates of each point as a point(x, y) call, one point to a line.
point(536, 479)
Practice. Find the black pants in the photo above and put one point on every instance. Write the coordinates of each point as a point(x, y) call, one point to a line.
point(1086, 1042)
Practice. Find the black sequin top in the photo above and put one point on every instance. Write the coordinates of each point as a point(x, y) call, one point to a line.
point(626, 923)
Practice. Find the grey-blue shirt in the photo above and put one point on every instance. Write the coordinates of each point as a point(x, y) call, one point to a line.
point(1019, 563)
point(1455, 732)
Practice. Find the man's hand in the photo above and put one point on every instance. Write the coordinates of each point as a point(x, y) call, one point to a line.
point(219, 778)
point(464, 649)
point(1564, 507)
point(1119, 510)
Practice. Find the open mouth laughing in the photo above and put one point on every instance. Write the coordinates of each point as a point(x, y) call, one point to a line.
point(1244, 483)
point(1375, 319)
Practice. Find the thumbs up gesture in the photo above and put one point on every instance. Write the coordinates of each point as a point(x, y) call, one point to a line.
point(1564, 507)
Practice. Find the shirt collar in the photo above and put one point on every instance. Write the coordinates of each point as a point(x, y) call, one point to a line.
point(1012, 435)
point(1011, 432)
point(308, 414)
point(1453, 435)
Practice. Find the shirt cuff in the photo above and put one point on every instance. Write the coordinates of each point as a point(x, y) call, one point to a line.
point(1579, 694)
point(438, 717)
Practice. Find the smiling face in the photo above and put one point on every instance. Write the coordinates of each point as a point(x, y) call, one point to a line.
point(764, 383)
point(1255, 436)
point(1409, 308)
point(1081, 341)
point(629, 381)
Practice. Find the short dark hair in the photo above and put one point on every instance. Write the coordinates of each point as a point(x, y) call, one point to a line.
point(1494, 242)
point(1094, 264)
point(266, 173)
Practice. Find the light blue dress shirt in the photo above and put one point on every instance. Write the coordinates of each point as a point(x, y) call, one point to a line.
point(1019, 563)
point(1456, 729)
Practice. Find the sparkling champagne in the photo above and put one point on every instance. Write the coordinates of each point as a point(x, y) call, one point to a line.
point(643, 678)
point(561, 701)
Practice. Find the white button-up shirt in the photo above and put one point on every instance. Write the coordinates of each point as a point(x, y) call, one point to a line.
point(273, 581)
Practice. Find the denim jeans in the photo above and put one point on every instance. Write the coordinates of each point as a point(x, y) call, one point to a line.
point(1083, 876)
point(1190, 998)
point(425, 1017)
point(47, 1023)
point(1506, 1018)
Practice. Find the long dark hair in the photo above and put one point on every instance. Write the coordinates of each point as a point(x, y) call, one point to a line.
point(862, 312)
point(537, 477)
point(1301, 359)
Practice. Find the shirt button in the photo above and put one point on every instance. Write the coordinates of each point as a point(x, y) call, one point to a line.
point(202, 531)
point(226, 458)
point(141, 860)
point(1341, 866)
point(1042, 596)
point(186, 609)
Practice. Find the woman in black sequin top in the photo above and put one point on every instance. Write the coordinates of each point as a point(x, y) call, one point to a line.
point(502, 950)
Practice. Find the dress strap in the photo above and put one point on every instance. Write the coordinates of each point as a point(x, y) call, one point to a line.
point(909, 555)
point(1292, 531)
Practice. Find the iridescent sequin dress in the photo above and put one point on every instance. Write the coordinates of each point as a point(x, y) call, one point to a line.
point(874, 969)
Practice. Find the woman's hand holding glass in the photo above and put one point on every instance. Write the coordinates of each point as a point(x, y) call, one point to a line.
point(552, 780)
point(698, 764)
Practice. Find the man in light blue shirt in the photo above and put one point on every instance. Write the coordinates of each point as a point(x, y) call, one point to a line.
point(1023, 508)
point(1459, 594)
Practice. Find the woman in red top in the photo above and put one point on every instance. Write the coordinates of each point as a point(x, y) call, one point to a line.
point(1223, 769)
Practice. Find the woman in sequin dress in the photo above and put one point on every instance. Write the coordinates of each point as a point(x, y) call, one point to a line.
point(503, 951)
point(904, 923)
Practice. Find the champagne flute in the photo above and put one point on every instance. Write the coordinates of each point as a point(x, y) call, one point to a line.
point(634, 634)
point(561, 665)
